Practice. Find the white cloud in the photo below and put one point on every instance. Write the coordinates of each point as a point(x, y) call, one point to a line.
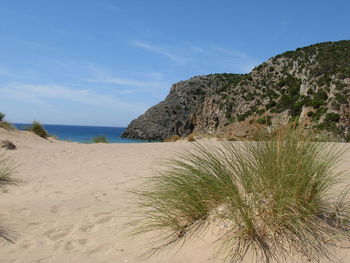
point(189, 54)
point(171, 53)
point(126, 82)
point(39, 94)
point(240, 60)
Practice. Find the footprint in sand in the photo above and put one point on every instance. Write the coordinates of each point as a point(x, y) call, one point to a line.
point(59, 210)
point(101, 249)
point(40, 260)
point(25, 212)
point(90, 228)
point(104, 213)
point(78, 245)
point(104, 217)
point(104, 220)
point(59, 232)
point(34, 225)
point(27, 244)
point(101, 197)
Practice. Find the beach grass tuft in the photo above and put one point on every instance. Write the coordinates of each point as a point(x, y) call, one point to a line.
point(173, 138)
point(100, 139)
point(38, 129)
point(7, 126)
point(2, 116)
point(191, 137)
point(272, 199)
point(6, 171)
point(4, 124)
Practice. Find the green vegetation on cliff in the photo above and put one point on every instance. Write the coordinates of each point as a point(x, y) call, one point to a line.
point(308, 85)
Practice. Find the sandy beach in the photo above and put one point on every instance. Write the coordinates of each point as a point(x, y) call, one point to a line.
point(71, 202)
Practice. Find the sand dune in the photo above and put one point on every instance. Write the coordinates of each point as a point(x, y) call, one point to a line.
point(71, 202)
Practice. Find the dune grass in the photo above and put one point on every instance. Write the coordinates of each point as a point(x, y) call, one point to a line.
point(272, 198)
point(7, 126)
point(173, 138)
point(6, 172)
point(191, 137)
point(38, 129)
point(100, 139)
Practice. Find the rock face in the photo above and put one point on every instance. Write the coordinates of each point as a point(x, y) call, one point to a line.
point(310, 85)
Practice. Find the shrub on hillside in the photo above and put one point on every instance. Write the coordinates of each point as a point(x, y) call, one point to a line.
point(332, 117)
point(265, 120)
point(2, 116)
point(272, 198)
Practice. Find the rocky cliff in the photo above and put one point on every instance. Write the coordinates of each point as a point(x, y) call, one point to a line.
point(310, 85)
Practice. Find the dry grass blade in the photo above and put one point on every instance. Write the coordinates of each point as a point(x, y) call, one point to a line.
point(7, 235)
point(6, 172)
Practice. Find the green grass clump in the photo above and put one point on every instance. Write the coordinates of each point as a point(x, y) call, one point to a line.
point(38, 129)
point(6, 171)
point(100, 139)
point(7, 126)
point(4, 124)
point(173, 138)
point(191, 137)
point(272, 199)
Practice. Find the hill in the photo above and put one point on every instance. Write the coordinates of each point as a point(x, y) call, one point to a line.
point(310, 85)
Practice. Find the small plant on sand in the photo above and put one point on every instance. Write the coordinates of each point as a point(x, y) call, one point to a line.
point(4, 124)
point(191, 137)
point(7, 126)
point(6, 171)
point(38, 129)
point(271, 198)
point(173, 138)
point(100, 139)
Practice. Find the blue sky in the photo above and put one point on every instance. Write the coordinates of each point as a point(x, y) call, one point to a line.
point(104, 62)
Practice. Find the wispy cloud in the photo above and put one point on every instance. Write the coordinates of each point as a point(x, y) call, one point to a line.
point(237, 59)
point(151, 82)
point(125, 82)
point(231, 52)
point(171, 53)
point(200, 56)
point(40, 94)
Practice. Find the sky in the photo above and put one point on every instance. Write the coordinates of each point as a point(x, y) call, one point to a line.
point(104, 62)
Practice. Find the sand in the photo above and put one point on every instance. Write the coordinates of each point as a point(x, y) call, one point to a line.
point(71, 203)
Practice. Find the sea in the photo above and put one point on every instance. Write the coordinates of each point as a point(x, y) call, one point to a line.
point(83, 134)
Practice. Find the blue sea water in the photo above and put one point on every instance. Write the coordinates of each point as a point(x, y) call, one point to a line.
point(83, 133)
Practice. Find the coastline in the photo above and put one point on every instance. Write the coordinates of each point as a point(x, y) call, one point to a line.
point(83, 133)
